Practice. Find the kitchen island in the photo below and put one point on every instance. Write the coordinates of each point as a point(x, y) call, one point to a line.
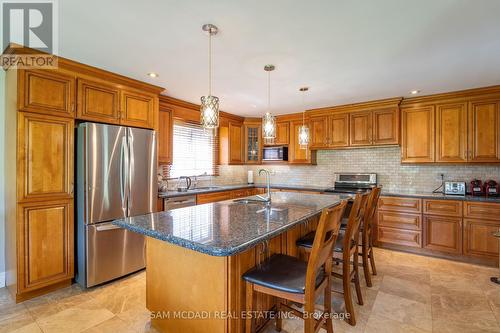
point(197, 255)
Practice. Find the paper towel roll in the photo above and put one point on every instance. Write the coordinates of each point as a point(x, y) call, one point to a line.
point(250, 177)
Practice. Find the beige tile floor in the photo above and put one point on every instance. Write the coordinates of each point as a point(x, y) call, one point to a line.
point(410, 294)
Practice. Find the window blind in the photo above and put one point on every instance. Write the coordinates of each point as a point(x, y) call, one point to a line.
point(194, 151)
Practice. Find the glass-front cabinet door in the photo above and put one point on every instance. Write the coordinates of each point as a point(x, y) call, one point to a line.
point(253, 143)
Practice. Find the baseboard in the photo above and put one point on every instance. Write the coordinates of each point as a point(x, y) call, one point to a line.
point(2, 279)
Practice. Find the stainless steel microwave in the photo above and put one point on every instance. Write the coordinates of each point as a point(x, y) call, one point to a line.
point(275, 153)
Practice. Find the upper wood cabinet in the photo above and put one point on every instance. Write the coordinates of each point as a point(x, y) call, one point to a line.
point(318, 131)
point(451, 132)
point(138, 109)
point(47, 92)
point(45, 157)
point(45, 249)
point(484, 131)
point(165, 136)
point(338, 130)
point(386, 126)
point(282, 133)
point(231, 140)
point(360, 133)
point(102, 102)
point(253, 143)
point(98, 102)
point(296, 153)
point(417, 134)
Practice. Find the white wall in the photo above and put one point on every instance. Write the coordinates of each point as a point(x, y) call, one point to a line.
point(2, 178)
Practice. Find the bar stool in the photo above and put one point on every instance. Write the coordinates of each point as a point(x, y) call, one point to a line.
point(367, 236)
point(347, 246)
point(289, 278)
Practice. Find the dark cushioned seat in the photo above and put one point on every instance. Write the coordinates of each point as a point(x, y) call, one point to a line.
point(307, 241)
point(282, 272)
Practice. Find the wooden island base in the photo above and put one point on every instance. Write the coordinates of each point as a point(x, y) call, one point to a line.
point(183, 285)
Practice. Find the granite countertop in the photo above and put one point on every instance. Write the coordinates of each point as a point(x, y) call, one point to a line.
point(386, 192)
point(219, 188)
point(440, 196)
point(227, 227)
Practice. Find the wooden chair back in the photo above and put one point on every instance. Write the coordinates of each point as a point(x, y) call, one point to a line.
point(370, 211)
point(354, 221)
point(324, 240)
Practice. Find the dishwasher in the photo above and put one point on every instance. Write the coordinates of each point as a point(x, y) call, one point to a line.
point(179, 202)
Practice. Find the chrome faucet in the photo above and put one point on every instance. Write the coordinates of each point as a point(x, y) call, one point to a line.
point(267, 198)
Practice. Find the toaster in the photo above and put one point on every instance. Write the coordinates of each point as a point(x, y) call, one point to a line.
point(454, 188)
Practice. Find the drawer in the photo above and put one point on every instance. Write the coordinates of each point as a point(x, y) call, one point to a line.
point(400, 220)
point(397, 204)
point(443, 233)
point(443, 207)
point(213, 197)
point(482, 210)
point(244, 192)
point(403, 237)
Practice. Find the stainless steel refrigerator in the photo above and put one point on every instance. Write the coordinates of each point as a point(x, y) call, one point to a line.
point(116, 178)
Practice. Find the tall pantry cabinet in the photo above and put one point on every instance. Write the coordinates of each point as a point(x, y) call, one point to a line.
point(42, 109)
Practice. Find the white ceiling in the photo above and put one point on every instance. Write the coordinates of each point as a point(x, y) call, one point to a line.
point(346, 51)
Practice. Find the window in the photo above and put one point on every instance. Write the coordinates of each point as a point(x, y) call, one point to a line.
point(194, 151)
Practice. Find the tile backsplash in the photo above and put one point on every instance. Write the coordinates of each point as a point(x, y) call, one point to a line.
point(384, 161)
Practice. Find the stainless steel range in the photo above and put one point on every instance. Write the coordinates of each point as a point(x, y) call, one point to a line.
point(353, 182)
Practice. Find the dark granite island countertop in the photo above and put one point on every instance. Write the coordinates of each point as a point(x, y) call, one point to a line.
point(228, 227)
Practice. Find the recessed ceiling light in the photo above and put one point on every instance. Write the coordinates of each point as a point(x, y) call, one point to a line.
point(414, 92)
point(152, 74)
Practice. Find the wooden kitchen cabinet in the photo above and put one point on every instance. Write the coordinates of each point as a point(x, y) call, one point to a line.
point(484, 131)
point(402, 237)
point(479, 240)
point(45, 157)
point(442, 207)
point(417, 135)
point(400, 220)
point(386, 127)
point(451, 132)
point(282, 133)
point(360, 133)
point(138, 109)
point(253, 143)
point(165, 136)
point(338, 130)
point(47, 92)
point(443, 233)
point(400, 204)
point(231, 140)
point(98, 101)
point(296, 153)
point(318, 132)
point(45, 244)
point(213, 197)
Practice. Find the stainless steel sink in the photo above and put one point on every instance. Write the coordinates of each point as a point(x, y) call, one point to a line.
point(204, 188)
point(250, 200)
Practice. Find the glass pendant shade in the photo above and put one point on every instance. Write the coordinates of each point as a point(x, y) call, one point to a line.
point(209, 112)
point(304, 136)
point(268, 126)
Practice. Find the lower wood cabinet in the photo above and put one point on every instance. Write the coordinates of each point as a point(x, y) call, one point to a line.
point(45, 248)
point(213, 197)
point(400, 220)
point(478, 238)
point(443, 233)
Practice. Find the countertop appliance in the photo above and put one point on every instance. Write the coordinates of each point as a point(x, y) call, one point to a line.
point(276, 153)
point(179, 202)
point(476, 187)
point(116, 178)
point(454, 188)
point(491, 188)
point(353, 182)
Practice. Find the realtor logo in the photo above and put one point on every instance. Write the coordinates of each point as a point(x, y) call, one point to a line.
point(29, 24)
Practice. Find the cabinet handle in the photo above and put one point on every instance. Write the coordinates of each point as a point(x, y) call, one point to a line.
point(72, 106)
point(72, 189)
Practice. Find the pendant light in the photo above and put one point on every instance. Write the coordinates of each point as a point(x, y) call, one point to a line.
point(304, 129)
point(209, 110)
point(268, 120)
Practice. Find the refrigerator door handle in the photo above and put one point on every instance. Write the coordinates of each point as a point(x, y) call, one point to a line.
point(107, 227)
point(130, 168)
point(124, 174)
